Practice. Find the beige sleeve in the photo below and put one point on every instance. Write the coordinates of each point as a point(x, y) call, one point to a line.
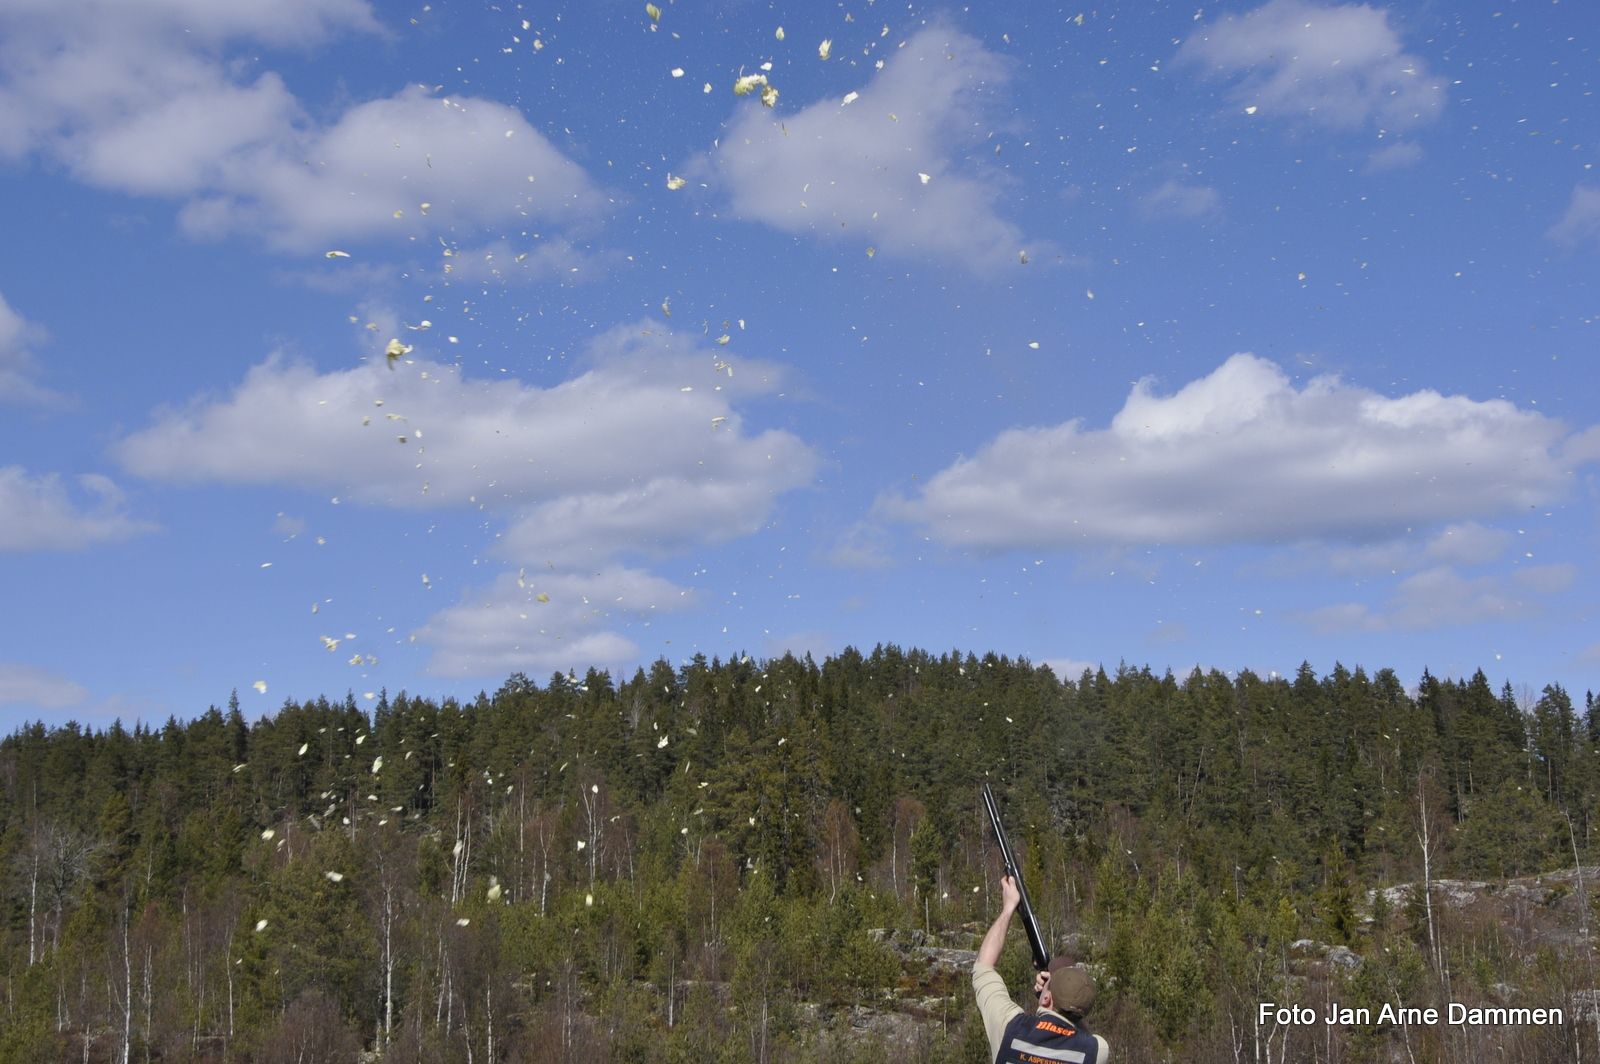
point(1105, 1050)
point(994, 1004)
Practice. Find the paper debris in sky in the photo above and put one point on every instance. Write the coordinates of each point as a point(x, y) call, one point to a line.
point(338, 254)
point(850, 97)
point(653, 11)
point(779, 34)
point(747, 82)
point(260, 685)
point(395, 351)
point(825, 49)
point(675, 183)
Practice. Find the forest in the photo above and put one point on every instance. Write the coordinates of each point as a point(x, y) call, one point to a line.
point(774, 861)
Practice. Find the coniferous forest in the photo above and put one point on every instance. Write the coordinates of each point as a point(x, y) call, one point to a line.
point(784, 861)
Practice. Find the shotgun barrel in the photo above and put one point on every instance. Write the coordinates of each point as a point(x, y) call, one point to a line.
point(1030, 924)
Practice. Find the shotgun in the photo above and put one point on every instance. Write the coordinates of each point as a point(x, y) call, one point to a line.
point(1030, 924)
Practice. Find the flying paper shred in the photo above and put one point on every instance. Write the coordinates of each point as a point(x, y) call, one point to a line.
point(542, 597)
point(745, 84)
point(675, 183)
point(779, 34)
point(260, 685)
point(338, 254)
point(395, 350)
point(653, 11)
point(824, 50)
point(769, 95)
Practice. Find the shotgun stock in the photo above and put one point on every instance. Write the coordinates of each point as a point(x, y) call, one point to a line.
point(1030, 924)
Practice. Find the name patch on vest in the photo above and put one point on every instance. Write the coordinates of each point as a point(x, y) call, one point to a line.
point(1036, 1053)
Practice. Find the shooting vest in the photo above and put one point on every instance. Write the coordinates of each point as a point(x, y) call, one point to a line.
point(1046, 1038)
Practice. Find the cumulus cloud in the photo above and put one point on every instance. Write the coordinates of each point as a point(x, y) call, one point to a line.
point(1465, 543)
point(500, 262)
point(507, 628)
point(141, 98)
point(644, 452)
point(1177, 200)
point(1582, 220)
point(1396, 156)
point(864, 545)
point(1069, 668)
point(38, 513)
point(1242, 455)
point(887, 168)
point(1434, 598)
point(1340, 67)
point(19, 369)
point(645, 416)
point(27, 686)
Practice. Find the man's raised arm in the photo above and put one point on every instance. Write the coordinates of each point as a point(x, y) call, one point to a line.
point(994, 943)
point(989, 990)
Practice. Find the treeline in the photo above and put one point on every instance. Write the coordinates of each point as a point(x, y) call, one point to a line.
point(686, 866)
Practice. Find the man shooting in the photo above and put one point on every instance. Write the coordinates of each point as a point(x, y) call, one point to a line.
point(1055, 1035)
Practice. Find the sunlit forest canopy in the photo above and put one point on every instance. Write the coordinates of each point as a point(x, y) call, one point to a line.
point(712, 860)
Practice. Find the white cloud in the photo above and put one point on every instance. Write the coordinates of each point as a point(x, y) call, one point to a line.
point(37, 513)
point(19, 369)
point(28, 686)
point(1242, 456)
point(500, 262)
point(1164, 633)
point(644, 452)
point(1434, 598)
point(1069, 668)
point(1582, 220)
point(1340, 67)
point(1396, 156)
point(854, 171)
point(644, 418)
point(505, 628)
point(863, 545)
point(1546, 579)
point(1177, 200)
point(394, 154)
point(1466, 543)
point(142, 98)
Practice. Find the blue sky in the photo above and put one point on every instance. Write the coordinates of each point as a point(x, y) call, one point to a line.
point(1232, 335)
